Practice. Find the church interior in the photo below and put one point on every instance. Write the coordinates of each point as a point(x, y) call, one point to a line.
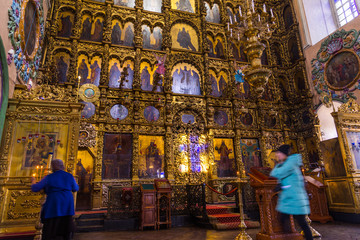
point(168, 112)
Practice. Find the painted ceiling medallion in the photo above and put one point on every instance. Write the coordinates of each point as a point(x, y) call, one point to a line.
point(26, 31)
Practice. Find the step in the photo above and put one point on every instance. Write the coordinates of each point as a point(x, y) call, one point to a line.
point(91, 216)
point(94, 228)
point(225, 218)
point(235, 225)
point(90, 222)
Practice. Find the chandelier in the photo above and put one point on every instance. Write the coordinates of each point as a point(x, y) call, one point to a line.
point(250, 28)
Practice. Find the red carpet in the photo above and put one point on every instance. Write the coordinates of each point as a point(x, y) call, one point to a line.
point(222, 216)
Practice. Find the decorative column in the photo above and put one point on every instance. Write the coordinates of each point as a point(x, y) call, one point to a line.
point(135, 156)
point(97, 184)
point(169, 154)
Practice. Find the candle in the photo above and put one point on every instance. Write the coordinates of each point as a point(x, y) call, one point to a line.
point(41, 171)
point(253, 5)
point(259, 19)
point(238, 36)
point(231, 33)
point(240, 13)
point(264, 7)
point(271, 12)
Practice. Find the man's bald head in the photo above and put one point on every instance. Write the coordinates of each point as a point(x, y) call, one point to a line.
point(57, 165)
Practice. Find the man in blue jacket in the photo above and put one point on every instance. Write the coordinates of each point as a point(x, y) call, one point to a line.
point(293, 199)
point(58, 208)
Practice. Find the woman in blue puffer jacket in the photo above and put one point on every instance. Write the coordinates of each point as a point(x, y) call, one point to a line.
point(293, 199)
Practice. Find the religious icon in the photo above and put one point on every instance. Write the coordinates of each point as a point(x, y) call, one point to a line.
point(159, 73)
point(114, 76)
point(236, 51)
point(267, 95)
point(277, 54)
point(66, 24)
point(153, 5)
point(125, 3)
point(116, 34)
point(117, 156)
point(83, 70)
point(342, 70)
point(214, 86)
point(251, 154)
point(184, 39)
point(95, 73)
point(186, 79)
point(88, 111)
point(119, 112)
point(151, 164)
point(37, 150)
point(30, 27)
point(221, 118)
point(246, 119)
point(219, 49)
point(145, 80)
point(129, 35)
point(224, 156)
point(211, 46)
point(270, 120)
point(185, 5)
point(62, 65)
point(86, 29)
point(152, 40)
point(83, 170)
point(188, 118)
point(151, 114)
point(288, 18)
point(293, 50)
point(97, 36)
point(212, 14)
point(333, 160)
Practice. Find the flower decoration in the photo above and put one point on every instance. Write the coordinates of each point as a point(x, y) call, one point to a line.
point(27, 68)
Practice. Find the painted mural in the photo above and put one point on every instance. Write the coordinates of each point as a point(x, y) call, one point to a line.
point(153, 5)
point(122, 35)
point(342, 70)
point(117, 156)
point(26, 31)
point(221, 118)
point(212, 13)
point(115, 72)
point(224, 157)
point(125, 3)
point(147, 77)
point(336, 67)
point(65, 24)
point(89, 72)
point(119, 112)
point(151, 114)
point(183, 5)
point(152, 40)
point(333, 160)
point(62, 66)
point(251, 154)
point(218, 83)
point(38, 149)
point(151, 157)
point(184, 37)
point(186, 79)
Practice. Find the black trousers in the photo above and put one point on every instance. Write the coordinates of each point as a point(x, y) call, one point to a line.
point(300, 219)
point(58, 228)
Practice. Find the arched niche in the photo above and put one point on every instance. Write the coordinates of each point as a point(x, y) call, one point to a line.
point(283, 88)
point(152, 40)
point(288, 17)
point(184, 37)
point(116, 69)
point(219, 83)
point(300, 83)
point(293, 50)
point(66, 21)
point(264, 56)
point(276, 51)
point(212, 13)
point(89, 70)
point(62, 62)
point(125, 3)
point(153, 5)
point(122, 35)
point(186, 79)
point(184, 5)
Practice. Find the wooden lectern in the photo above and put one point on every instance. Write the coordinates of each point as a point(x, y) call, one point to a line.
point(267, 200)
point(318, 201)
point(148, 206)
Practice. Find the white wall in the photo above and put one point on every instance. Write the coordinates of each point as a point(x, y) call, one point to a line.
point(327, 124)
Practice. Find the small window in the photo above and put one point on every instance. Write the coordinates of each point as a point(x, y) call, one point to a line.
point(346, 11)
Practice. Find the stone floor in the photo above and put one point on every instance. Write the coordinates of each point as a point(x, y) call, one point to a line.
point(330, 231)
